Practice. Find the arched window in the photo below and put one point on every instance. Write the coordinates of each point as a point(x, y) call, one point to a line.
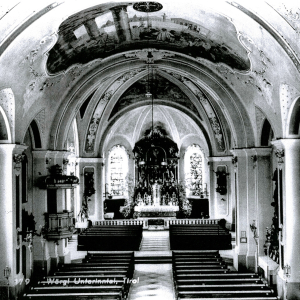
point(118, 169)
point(193, 165)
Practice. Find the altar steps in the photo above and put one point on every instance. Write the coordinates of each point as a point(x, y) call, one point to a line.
point(155, 241)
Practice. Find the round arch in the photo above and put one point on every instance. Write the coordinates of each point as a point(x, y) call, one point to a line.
point(219, 93)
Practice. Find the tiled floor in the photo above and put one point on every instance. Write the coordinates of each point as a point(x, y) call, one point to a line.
point(155, 281)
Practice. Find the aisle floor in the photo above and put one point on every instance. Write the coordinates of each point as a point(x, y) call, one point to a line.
point(154, 281)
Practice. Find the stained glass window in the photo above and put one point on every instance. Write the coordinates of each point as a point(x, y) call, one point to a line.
point(118, 169)
point(194, 170)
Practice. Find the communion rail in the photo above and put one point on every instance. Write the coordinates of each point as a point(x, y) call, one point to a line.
point(167, 222)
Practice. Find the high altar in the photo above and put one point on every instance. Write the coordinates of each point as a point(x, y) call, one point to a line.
point(156, 193)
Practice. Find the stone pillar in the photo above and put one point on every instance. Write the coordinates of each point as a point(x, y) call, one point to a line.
point(42, 160)
point(264, 196)
point(54, 259)
point(92, 28)
point(10, 241)
point(245, 209)
point(63, 253)
point(291, 228)
point(121, 23)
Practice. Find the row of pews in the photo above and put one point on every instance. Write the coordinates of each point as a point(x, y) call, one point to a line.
point(110, 238)
point(199, 237)
point(204, 275)
point(128, 237)
point(99, 276)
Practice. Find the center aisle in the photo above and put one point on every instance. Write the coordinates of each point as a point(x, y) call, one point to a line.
point(153, 280)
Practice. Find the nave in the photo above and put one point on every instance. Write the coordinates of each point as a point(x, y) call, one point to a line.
point(153, 272)
point(163, 113)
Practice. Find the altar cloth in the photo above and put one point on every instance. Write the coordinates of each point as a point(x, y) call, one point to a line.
point(156, 211)
point(160, 208)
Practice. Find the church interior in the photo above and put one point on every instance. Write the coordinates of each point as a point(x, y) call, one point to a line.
point(150, 149)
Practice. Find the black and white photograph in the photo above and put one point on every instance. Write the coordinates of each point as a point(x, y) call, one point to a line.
point(149, 150)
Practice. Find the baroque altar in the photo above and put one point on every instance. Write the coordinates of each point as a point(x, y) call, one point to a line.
point(156, 193)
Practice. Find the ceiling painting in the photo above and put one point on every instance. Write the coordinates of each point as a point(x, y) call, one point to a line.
point(100, 33)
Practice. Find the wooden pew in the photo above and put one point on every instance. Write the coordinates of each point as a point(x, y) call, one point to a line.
point(199, 237)
point(103, 280)
point(195, 280)
point(110, 238)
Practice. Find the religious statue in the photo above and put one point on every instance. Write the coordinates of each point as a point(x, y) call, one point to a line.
point(156, 193)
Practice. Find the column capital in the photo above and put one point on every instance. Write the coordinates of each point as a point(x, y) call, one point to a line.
point(290, 144)
point(277, 144)
point(12, 148)
point(286, 144)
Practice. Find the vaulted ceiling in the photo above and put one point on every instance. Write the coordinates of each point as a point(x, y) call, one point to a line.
point(218, 71)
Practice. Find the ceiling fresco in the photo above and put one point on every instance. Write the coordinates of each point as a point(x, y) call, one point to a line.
point(99, 33)
point(161, 88)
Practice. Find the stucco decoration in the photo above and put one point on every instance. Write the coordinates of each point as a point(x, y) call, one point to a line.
point(288, 94)
point(278, 37)
point(39, 80)
point(214, 121)
point(260, 118)
point(291, 15)
point(149, 55)
point(106, 96)
point(257, 75)
point(7, 103)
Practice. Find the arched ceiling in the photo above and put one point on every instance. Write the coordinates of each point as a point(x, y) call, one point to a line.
point(132, 125)
point(230, 64)
point(101, 31)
